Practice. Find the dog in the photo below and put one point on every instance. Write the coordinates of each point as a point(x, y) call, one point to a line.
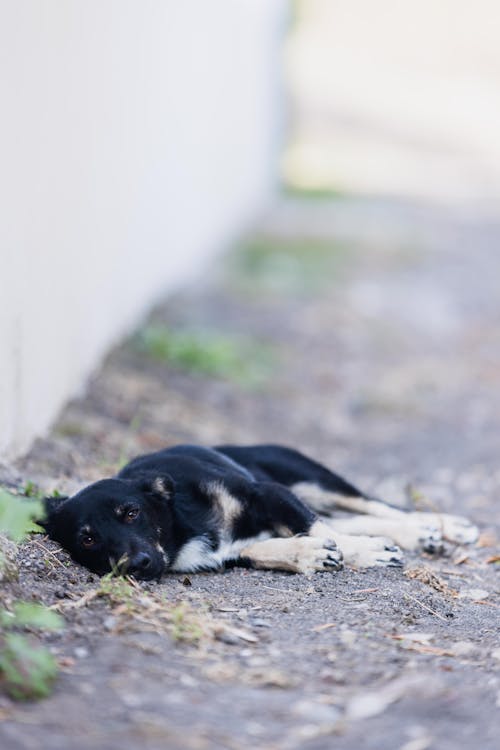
point(188, 508)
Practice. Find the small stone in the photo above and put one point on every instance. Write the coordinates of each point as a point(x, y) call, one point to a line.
point(259, 623)
point(188, 681)
point(316, 712)
point(464, 648)
point(132, 700)
point(81, 652)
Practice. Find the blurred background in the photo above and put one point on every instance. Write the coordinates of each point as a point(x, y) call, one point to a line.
point(139, 139)
point(396, 97)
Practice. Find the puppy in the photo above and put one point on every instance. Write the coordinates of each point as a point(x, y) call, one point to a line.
point(189, 508)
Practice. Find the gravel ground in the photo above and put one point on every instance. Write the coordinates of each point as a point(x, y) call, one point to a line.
point(385, 364)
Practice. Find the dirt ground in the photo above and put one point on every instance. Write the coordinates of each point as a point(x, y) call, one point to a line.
point(381, 357)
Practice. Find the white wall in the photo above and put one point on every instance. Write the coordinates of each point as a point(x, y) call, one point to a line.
point(136, 137)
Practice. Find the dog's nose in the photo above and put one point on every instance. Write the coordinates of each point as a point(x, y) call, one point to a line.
point(139, 563)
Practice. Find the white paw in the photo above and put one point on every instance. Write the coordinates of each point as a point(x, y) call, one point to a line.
point(370, 551)
point(311, 554)
point(456, 529)
point(412, 531)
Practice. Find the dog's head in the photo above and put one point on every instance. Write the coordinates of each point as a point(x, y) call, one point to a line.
point(116, 525)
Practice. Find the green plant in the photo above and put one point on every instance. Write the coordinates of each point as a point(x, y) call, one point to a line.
point(17, 516)
point(313, 193)
point(184, 625)
point(285, 265)
point(117, 589)
point(31, 489)
point(233, 357)
point(27, 671)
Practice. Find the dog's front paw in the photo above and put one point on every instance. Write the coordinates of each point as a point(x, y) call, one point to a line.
point(370, 551)
point(312, 554)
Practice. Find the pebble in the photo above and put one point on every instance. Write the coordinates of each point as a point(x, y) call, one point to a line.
point(464, 648)
point(317, 712)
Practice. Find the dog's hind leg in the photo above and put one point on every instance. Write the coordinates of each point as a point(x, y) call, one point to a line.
point(408, 530)
point(316, 485)
point(411, 530)
point(324, 491)
point(292, 469)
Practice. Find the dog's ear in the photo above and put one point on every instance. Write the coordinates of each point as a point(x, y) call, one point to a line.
point(157, 488)
point(51, 507)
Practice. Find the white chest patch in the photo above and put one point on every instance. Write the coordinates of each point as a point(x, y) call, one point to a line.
point(197, 555)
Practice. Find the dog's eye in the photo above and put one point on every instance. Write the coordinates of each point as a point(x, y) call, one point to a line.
point(87, 541)
point(131, 515)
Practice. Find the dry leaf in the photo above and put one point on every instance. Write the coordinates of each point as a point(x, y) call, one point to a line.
point(486, 539)
point(422, 638)
point(427, 576)
point(327, 625)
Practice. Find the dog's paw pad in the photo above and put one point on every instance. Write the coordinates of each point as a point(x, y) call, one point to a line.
point(431, 540)
point(371, 552)
point(390, 558)
point(454, 529)
point(329, 544)
point(316, 554)
point(331, 556)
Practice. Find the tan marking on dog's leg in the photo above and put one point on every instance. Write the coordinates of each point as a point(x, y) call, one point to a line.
point(324, 501)
point(322, 529)
point(283, 530)
point(303, 554)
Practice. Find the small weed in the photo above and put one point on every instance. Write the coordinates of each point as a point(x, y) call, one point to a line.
point(27, 671)
point(185, 625)
point(70, 429)
point(28, 614)
point(117, 589)
point(290, 266)
point(234, 358)
point(16, 515)
point(30, 489)
point(314, 193)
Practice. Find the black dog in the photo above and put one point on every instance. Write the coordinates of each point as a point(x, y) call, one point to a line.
point(189, 508)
